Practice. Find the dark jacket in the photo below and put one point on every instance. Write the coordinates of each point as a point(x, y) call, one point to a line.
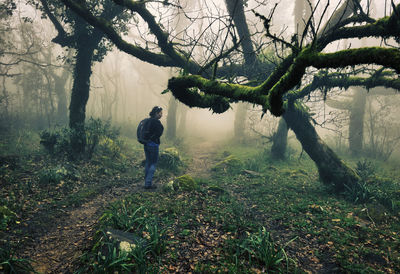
point(155, 130)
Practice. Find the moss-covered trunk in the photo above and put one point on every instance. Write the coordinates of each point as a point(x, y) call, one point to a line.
point(279, 140)
point(332, 170)
point(79, 97)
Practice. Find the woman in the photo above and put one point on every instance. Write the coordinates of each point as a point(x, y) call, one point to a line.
point(151, 148)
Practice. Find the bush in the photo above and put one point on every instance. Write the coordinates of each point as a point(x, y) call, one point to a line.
point(365, 169)
point(258, 161)
point(52, 176)
point(99, 136)
point(170, 159)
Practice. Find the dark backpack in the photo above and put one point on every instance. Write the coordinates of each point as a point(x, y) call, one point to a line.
point(142, 131)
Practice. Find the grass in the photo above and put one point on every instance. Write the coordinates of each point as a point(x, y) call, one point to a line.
point(280, 219)
point(9, 263)
point(40, 188)
point(284, 220)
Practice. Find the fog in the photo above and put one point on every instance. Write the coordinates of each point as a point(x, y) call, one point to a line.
point(123, 89)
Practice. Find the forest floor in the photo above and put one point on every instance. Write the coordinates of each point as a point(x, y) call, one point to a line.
point(246, 213)
point(55, 244)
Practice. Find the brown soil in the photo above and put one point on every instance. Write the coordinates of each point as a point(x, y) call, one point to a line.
point(55, 247)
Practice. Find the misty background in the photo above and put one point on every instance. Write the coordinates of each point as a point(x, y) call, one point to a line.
point(36, 82)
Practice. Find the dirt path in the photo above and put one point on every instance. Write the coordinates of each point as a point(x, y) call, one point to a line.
point(55, 249)
point(203, 158)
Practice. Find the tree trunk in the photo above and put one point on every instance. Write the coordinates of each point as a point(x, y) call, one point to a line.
point(279, 141)
point(80, 96)
point(356, 126)
point(236, 11)
point(171, 119)
point(332, 170)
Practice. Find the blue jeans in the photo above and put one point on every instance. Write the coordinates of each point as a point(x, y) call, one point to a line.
point(151, 152)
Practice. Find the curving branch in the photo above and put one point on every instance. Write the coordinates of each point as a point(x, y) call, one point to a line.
point(187, 85)
point(105, 26)
point(343, 81)
point(272, 99)
point(162, 36)
point(383, 28)
point(62, 38)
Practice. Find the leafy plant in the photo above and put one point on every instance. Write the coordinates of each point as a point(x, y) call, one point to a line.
point(156, 238)
point(6, 216)
point(101, 132)
point(56, 142)
point(360, 192)
point(52, 176)
point(109, 259)
point(261, 248)
point(121, 216)
point(139, 256)
point(365, 169)
point(170, 159)
point(10, 264)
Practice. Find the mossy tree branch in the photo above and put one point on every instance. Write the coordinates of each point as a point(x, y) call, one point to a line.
point(343, 81)
point(385, 57)
point(187, 88)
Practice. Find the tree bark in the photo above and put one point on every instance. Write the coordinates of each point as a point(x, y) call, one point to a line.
point(332, 170)
point(279, 141)
point(80, 96)
point(236, 11)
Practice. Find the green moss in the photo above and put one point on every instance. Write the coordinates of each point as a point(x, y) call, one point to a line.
point(229, 164)
point(196, 91)
point(185, 182)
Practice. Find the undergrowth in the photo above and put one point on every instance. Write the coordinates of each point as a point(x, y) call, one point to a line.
point(250, 214)
point(264, 216)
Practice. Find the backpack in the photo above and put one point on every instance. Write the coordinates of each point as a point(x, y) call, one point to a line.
point(142, 131)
